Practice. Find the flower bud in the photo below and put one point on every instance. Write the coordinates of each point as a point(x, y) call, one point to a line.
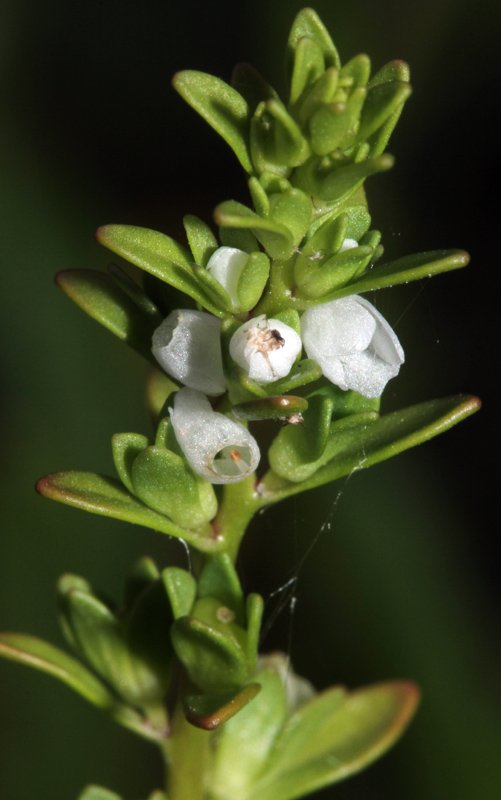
point(353, 344)
point(187, 345)
point(226, 265)
point(216, 447)
point(265, 348)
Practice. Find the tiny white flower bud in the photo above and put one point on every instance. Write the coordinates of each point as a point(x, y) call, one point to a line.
point(265, 348)
point(216, 447)
point(226, 265)
point(348, 244)
point(187, 345)
point(353, 344)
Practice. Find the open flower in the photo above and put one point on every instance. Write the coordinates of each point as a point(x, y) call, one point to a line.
point(187, 345)
point(265, 348)
point(226, 265)
point(216, 447)
point(353, 344)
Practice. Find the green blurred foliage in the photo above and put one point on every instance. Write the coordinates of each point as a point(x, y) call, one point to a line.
point(401, 579)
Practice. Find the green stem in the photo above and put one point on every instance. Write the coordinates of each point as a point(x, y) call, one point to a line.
point(239, 504)
point(186, 755)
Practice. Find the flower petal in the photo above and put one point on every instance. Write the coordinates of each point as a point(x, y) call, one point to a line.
point(265, 348)
point(353, 344)
point(216, 447)
point(226, 265)
point(187, 345)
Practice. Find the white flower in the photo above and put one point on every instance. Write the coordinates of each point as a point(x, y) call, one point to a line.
point(265, 348)
point(353, 344)
point(216, 447)
point(226, 265)
point(187, 345)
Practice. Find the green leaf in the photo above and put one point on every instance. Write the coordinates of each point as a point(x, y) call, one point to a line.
point(105, 496)
point(253, 280)
point(335, 126)
point(308, 23)
point(181, 588)
point(404, 270)
point(209, 711)
point(200, 238)
point(321, 92)
point(259, 197)
point(219, 580)
point(299, 451)
point(244, 742)
point(40, 655)
point(242, 239)
point(308, 66)
point(276, 141)
point(158, 255)
point(125, 448)
point(337, 271)
point(382, 101)
point(383, 438)
point(336, 183)
point(213, 658)
point(396, 70)
point(97, 294)
point(165, 483)
point(254, 612)
point(99, 639)
point(294, 210)
point(98, 793)
point(136, 293)
point(221, 106)
point(356, 71)
point(305, 371)
point(334, 736)
point(275, 238)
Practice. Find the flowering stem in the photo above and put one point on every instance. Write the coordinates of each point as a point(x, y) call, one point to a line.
point(239, 504)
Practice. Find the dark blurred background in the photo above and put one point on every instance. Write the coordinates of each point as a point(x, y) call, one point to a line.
point(401, 580)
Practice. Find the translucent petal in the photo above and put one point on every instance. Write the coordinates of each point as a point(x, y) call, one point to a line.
point(187, 345)
point(226, 265)
point(216, 447)
point(353, 344)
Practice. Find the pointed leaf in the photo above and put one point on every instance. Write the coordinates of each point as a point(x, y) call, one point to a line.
point(158, 255)
point(105, 496)
point(276, 141)
point(209, 711)
point(40, 655)
point(382, 101)
point(337, 183)
point(308, 66)
point(221, 106)
point(356, 72)
point(181, 588)
point(125, 448)
point(200, 238)
point(321, 92)
point(335, 126)
point(384, 438)
point(275, 238)
point(98, 295)
point(331, 737)
point(308, 23)
point(334, 273)
point(396, 70)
